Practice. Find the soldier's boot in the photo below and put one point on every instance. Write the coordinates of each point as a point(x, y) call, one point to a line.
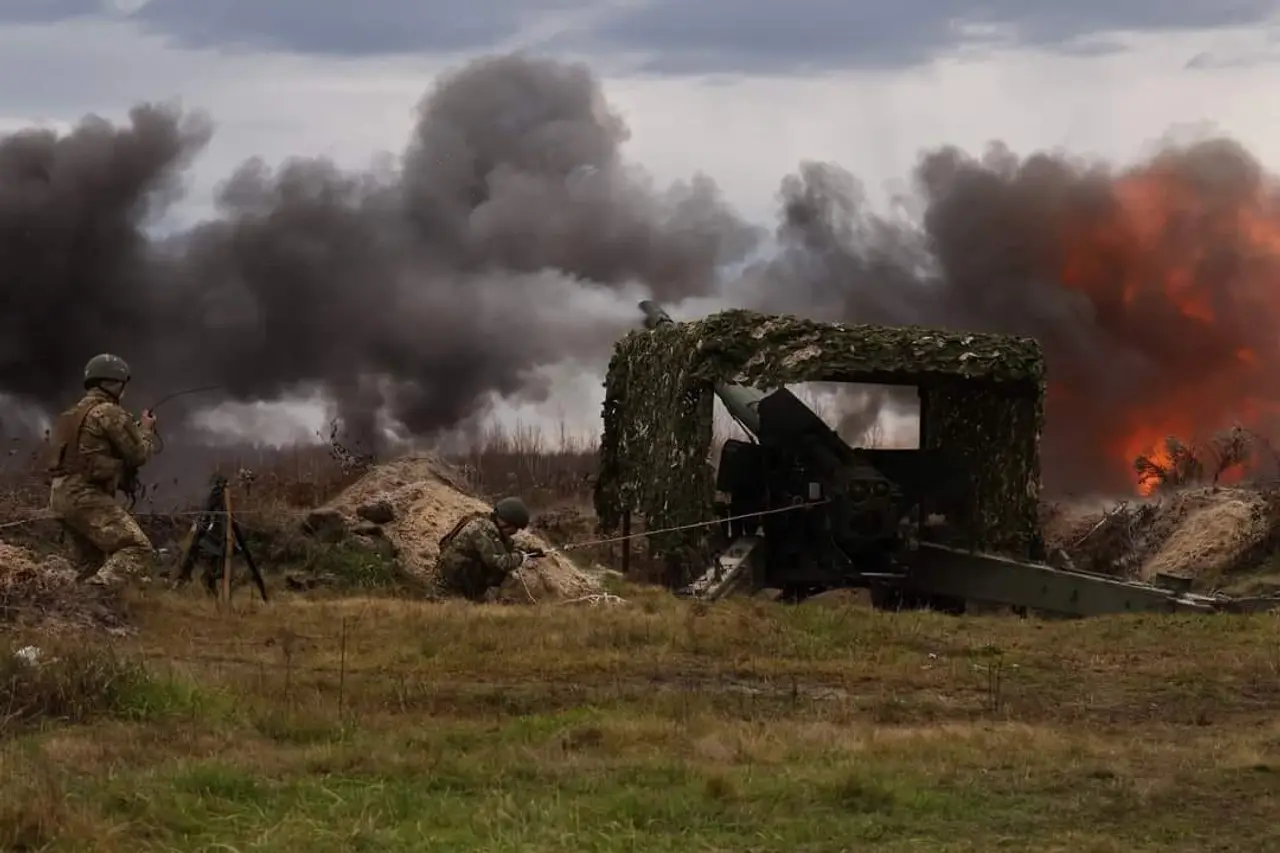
point(132, 561)
point(85, 558)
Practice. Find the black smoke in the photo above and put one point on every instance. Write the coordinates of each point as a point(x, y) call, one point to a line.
point(1144, 285)
point(513, 234)
point(423, 288)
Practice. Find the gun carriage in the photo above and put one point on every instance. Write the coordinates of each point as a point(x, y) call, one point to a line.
point(945, 526)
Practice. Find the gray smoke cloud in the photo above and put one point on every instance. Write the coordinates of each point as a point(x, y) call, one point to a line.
point(513, 234)
point(423, 287)
point(1151, 289)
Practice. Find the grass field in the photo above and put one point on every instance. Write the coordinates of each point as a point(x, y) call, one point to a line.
point(382, 724)
point(658, 725)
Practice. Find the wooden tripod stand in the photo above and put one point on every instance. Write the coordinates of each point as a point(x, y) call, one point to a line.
point(214, 539)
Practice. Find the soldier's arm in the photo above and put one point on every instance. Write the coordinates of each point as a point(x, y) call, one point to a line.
point(134, 443)
point(495, 554)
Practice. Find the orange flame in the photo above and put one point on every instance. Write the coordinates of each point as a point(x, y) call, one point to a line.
point(1189, 273)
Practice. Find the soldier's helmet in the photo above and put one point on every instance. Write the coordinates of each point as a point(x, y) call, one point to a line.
point(513, 512)
point(105, 367)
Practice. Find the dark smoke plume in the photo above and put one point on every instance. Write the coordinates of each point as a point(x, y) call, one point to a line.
point(424, 287)
point(1152, 290)
point(513, 234)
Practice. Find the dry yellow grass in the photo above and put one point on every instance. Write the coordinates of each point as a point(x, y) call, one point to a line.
point(328, 725)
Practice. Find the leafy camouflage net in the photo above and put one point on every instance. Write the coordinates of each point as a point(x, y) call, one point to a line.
point(981, 398)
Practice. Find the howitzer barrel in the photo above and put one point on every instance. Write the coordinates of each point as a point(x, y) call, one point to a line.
point(654, 316)
point(741, 401)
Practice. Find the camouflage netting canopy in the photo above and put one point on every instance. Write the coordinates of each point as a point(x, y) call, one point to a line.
point(981, 397)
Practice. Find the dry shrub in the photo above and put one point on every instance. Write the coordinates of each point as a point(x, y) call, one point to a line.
point(1203, 532)
point(547, 470)
point(1176, 467)
point(274, 484)
point(1180, 464)
point(272, 487)
point(544, 471)
point(1118, 542)
point(286, 480)
point(79, 684)
point(23, 485)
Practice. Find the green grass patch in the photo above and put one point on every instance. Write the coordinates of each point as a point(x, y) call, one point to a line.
point(83, 684)
point(644, 784)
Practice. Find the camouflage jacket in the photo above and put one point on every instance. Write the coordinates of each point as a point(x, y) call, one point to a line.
point(93, 442)
point(475, 555)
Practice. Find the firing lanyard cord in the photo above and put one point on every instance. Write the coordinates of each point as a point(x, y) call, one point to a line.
point(184, 392)
point(574, 546)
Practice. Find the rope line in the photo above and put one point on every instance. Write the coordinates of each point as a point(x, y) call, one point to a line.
point(572, 546)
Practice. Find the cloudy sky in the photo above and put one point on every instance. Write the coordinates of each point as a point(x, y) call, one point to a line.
point(742, 92)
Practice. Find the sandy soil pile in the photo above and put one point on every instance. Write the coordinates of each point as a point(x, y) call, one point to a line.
point(42, 595)
point(1201, 533)
point(426, 498)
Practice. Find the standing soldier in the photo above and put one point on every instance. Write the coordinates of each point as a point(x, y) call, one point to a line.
point(478, 553)
point(91, 445)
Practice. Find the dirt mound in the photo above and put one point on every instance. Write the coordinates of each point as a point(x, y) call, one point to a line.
point(423, 499)
point(43, 595)
point(1215, 537)
point(1200, 533)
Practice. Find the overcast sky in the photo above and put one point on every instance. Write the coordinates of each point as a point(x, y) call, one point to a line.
point(740, 91)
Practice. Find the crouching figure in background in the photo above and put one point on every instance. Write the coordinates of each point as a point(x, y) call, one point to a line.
point(478, 554)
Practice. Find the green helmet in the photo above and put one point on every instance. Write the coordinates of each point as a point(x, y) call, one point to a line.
point(513, 512)
point(105, 367)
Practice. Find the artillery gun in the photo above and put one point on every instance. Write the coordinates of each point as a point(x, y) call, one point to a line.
point(802, 511)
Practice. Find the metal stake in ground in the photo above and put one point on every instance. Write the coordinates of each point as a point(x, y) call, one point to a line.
point(228, 545)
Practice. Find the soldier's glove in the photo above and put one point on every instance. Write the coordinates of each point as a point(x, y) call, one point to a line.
point(528, 558)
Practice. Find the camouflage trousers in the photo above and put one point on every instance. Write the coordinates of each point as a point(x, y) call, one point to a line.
point(105, 538)
point(465, 579)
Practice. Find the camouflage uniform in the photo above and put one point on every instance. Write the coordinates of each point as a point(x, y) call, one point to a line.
point(475, 556)
point(91, 445)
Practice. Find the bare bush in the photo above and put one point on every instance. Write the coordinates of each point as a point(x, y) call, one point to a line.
point(523, 461)
point(1181, 464)
point(1178, 466)
point(547, 470)
point(1232, 448)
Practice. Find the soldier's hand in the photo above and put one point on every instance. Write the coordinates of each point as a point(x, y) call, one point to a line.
point(147, 419)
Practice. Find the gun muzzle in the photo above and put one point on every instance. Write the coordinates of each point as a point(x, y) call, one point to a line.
point(654, 316)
